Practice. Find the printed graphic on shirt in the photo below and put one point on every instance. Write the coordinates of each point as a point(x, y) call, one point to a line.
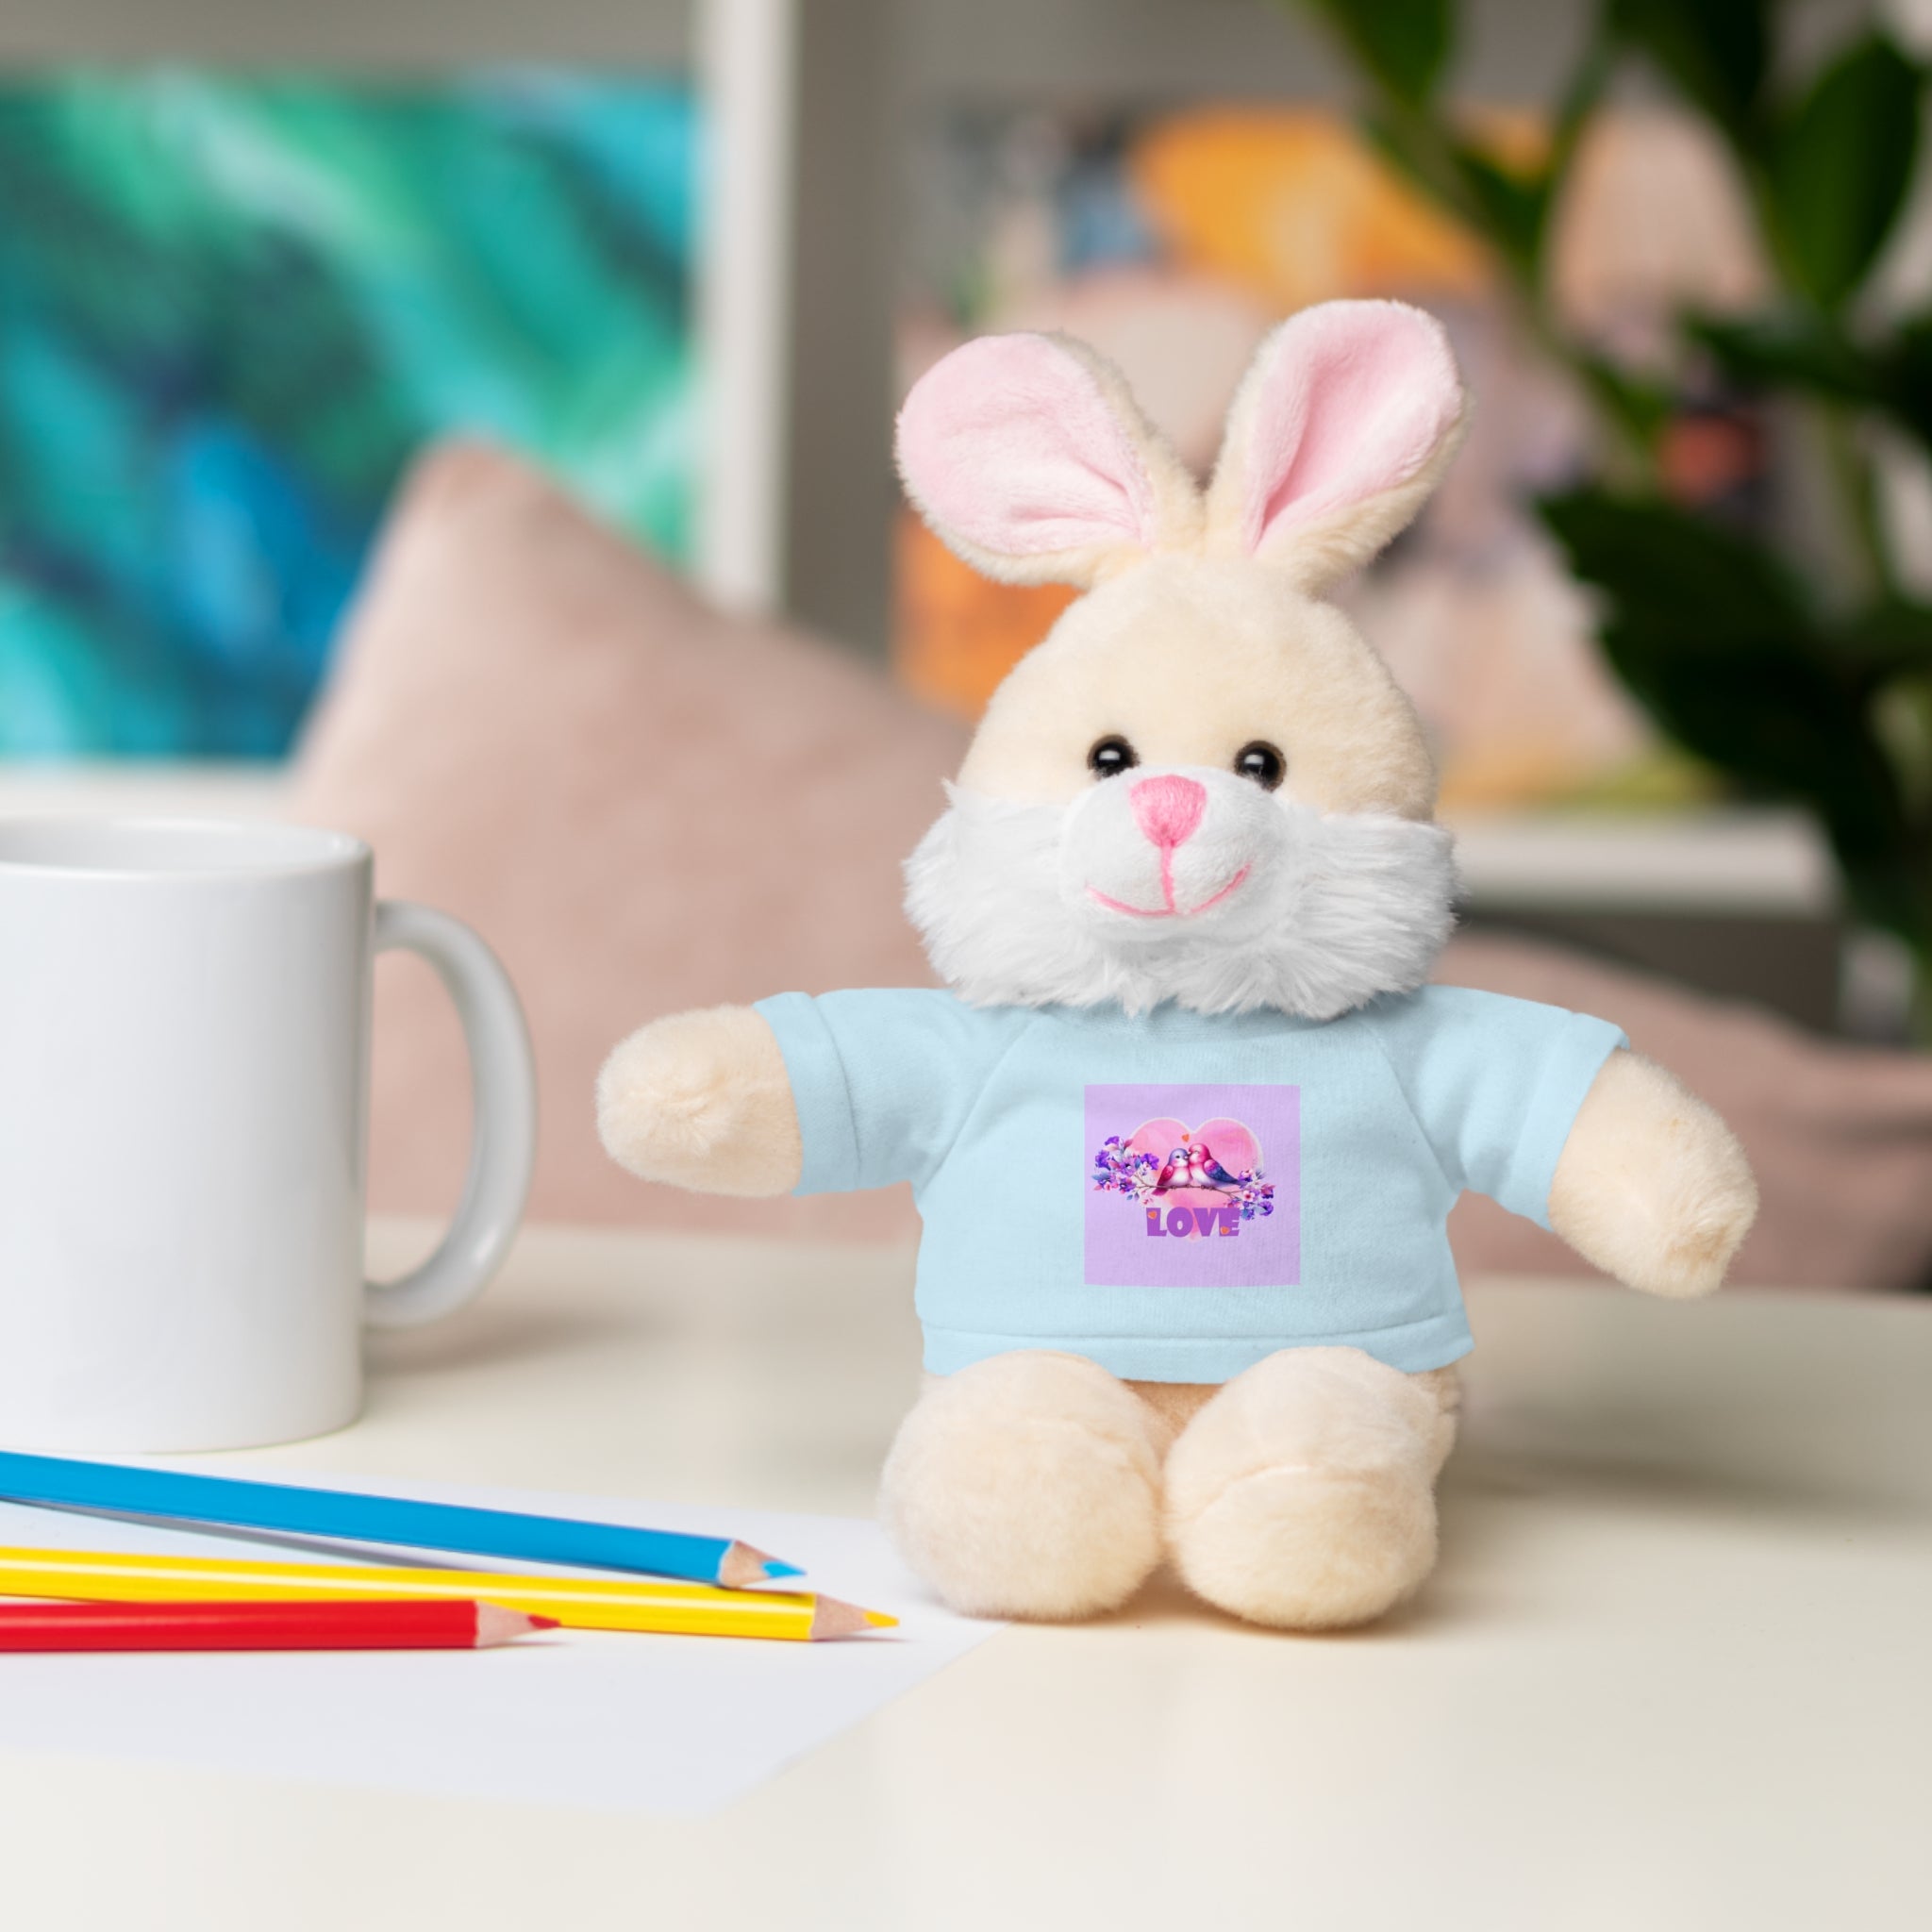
point(1193, 1186)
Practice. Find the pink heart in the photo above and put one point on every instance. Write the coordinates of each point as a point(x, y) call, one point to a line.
point(1234, 1148)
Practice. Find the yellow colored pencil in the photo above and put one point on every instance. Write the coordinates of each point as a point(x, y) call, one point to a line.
point(578, 1603)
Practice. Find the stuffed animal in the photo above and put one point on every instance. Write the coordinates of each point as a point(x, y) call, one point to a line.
point(1186, 1122)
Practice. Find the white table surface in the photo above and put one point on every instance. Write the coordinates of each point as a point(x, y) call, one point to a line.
point(1675, 1670)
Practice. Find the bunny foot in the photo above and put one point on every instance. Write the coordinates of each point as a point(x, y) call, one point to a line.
point(1027, 1486)
point(1302, 1495)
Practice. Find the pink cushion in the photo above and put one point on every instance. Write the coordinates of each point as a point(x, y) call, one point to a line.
point(641, 804)
point(1841, 1137)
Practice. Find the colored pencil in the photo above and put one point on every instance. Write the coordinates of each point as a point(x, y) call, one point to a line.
point(344, 1516)
point(578, 1603)
point(456, 1625)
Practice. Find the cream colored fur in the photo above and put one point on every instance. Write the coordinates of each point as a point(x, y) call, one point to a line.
point(1300, 1495)
point(1303, 1495)
point(1349, 886)
point(1323, 554)
point(1027, 1486)
point(1652, 1186)
point(1190, 658)
point(1326, 552)
point(700, 1100)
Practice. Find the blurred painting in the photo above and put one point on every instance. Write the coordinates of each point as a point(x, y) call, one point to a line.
point(1175, 240)
point(231, 309)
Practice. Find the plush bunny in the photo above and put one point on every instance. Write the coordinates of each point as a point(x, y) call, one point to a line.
point(1187, 1121)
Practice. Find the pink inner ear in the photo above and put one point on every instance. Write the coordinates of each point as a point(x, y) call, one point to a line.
point(1355, 398)
point(1011, 443)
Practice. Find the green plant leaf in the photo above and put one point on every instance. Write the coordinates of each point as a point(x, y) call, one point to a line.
point(1717, 51)
point(1891, 639)
point(1905, 366)
point(1414, 148)
point(1509, 209)
point(1791, 349)
point(1678, 572)
point(1403, 44)
point(1805, 350)
point(1636, 402)
point(1720, 643)
point(1838, 164)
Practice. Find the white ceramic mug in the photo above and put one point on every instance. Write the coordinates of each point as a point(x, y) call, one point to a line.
point(184, 1049)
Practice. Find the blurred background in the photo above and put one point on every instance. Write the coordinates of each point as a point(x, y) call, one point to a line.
point(472, 424)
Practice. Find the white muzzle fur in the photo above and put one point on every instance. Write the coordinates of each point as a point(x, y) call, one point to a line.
point(1188, 884)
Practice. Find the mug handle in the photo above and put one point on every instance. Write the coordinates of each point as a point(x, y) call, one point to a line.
point(502, 1132)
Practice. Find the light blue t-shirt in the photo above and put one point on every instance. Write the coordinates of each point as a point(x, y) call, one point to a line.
point(1178, 1196)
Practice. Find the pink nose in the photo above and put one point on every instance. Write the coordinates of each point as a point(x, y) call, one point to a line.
point(1167, 809)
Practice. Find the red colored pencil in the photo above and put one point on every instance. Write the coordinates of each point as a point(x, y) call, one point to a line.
point(366, 1626)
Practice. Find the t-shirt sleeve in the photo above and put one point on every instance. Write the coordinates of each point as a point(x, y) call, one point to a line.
point(1495, 1085)
point(883, 1081)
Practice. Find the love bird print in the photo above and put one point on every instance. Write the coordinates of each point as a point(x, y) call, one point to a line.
point(1193, 1186)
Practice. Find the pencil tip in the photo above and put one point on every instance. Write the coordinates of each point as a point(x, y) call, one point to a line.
point(495, 1624)
point(743, 1566)
point(830, 1618)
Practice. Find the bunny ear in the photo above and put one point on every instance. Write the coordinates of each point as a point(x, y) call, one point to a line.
point(1345, 423)
point(1031, 460)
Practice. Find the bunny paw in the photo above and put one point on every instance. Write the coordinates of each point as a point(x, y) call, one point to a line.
point(701, 1100)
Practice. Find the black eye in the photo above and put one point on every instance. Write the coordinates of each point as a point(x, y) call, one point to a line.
point(1110, 756)
point(1261, 763)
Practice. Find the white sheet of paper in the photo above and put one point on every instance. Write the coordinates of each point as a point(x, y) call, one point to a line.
point(599, 1720)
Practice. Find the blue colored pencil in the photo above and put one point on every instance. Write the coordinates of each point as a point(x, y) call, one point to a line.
point(346, 1517)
